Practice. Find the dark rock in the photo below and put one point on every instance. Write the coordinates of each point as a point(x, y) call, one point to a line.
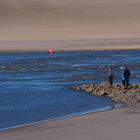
point(129, 95)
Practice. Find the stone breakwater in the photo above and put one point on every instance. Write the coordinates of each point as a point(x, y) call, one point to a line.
point(129, 95)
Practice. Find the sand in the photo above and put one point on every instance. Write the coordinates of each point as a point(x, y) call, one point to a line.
point(119, 124)
point(31, 25)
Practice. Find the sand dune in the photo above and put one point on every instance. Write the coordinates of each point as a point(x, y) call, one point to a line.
point(37, 20)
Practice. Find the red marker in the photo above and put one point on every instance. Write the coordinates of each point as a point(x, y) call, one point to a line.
point(51, 51)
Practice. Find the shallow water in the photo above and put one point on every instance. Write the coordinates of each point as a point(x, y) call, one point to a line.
point(38, 86)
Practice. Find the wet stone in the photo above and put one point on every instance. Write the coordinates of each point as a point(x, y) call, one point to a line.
point(129, 95)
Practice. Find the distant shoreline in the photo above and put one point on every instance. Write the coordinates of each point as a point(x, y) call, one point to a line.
point(76, 49)
point(68, 50)
point(98, 44)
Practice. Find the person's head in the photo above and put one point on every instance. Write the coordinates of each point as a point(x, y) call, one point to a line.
point(126, 68)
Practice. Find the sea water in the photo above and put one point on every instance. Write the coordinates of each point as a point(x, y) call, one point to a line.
point(37, 87)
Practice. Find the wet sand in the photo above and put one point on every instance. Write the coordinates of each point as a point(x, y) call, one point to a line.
point(119, 124)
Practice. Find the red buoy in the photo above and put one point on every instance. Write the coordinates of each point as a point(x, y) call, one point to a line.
point(51, 51)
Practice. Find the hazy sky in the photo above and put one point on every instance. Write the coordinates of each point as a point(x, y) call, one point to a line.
point(36, 20)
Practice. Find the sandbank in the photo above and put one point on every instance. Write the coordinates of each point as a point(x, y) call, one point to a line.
point(86, 44)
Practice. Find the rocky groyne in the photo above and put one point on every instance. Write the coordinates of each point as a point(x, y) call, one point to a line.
point(129, 95)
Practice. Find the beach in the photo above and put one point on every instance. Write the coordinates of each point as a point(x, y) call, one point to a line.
point(89, 35)
point(119, 124)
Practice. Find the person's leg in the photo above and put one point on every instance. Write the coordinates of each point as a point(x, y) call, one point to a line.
point(123, 82)
point(127, 81)
point(111, 80)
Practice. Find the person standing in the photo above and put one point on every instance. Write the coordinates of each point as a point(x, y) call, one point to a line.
point(110, 76)
point(123, 78)
point(126, 76)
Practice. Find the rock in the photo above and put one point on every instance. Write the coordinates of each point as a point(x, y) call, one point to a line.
point(124, 91)
point(118, 86)
point(101, 93)
point(129, 95)
point(136, 86)
point(90, 89)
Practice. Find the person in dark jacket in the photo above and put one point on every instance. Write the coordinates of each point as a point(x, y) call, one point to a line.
point(110, 76)
point(126, 76)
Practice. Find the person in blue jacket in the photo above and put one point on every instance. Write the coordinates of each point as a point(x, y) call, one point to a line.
point(123, 78)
